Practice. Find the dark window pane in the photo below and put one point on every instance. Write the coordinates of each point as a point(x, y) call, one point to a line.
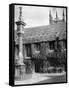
point(28, 50)
point(51, 44)
point(37, 46)
point(65, 44)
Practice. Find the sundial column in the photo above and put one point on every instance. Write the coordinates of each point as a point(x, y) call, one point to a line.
point(20, 32)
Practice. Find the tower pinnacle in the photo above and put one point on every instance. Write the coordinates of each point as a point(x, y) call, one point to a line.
point(50, 17)
point(63, 16)
point(56, 16)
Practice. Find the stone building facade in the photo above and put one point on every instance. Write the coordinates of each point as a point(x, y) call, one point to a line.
point(37, 43)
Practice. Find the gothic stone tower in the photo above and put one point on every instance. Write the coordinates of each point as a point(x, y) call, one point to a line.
point(20, 26)
point(56, 19)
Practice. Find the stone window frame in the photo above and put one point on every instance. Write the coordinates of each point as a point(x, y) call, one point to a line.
point(52, 45)
point(37, 45)
point(28, 50)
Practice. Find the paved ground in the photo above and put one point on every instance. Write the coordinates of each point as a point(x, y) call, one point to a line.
point(41, 78)
point(53, 79)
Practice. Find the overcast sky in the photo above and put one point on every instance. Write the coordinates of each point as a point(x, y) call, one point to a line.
point(37, 16)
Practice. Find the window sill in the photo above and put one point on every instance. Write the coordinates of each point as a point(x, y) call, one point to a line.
point(27, 57)
point(50, 51)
